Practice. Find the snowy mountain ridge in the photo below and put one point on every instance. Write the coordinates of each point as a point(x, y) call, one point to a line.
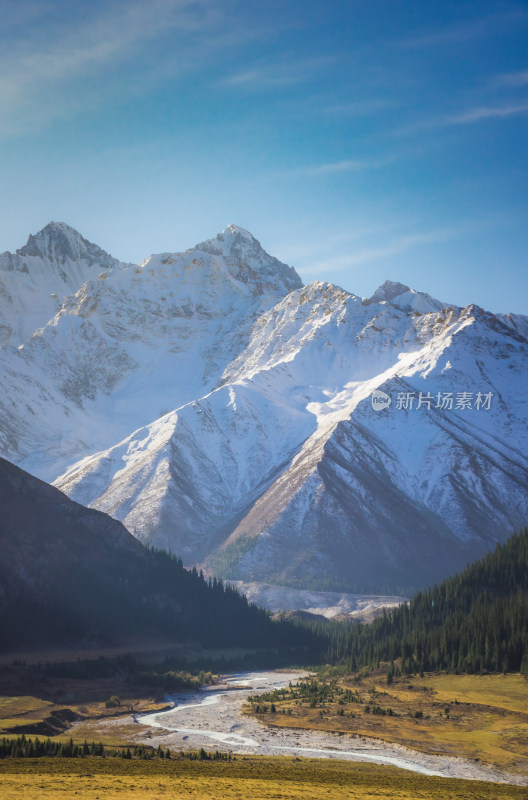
point(241, 246)
point(33, 281)
point(401, 296)
point(125, 348)
point(222, 410)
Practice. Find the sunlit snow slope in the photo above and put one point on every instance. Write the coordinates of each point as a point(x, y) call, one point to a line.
point(131, 345)
point(34, 280)
point(222, 410)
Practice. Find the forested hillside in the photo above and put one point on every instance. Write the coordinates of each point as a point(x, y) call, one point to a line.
point(69, 574)
point(475, 621)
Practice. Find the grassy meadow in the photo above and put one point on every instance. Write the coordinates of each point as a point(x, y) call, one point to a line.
point(482, 717)
point(247, 778)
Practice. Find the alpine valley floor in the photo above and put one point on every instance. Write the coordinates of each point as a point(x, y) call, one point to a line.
point(217, 718)
point(293, 757)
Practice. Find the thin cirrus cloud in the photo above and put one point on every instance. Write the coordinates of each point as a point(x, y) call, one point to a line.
point(511, 80)
point(360, 108)
point(466, 31)
point(277, 74)
point(396, 246)
point(37, 71)
point(312, 249)
point(17, 15)
point(487, 112)
point(262, 78)
point(470, 117)
point(396, 239)
point(336, 167)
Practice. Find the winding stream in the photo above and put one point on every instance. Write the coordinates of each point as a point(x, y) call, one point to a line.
point(197, 721)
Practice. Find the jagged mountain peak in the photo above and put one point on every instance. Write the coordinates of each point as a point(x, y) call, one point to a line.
point(236, 230)
point(388, 291)
point(255, 441)
point(406, 299)
point(58, 242)
point(287, 470)
point(240, 245)
point(54, 263)
point(231, 237)
point(317, 289)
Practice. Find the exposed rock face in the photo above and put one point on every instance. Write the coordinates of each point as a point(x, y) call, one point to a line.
point(241, 247)
point(287, 473)
point(33, 281)
point(128, 346)
point(223, 411)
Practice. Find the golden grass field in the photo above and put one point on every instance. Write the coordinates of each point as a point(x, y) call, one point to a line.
point(25, 711)
point(487, 720)
point(487, 715)
point(247, 778)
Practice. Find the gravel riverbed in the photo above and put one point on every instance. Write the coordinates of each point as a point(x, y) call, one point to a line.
point(212, 718)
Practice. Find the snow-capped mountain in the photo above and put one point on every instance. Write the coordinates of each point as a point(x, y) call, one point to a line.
point(222, 410)
point(131, 345)
point(252, 264)
point(286, 472)
point(34, 280)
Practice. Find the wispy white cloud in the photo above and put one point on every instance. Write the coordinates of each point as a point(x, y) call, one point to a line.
point(332, 168)
point(337, 167)
point(105, 38)
point(367, 242)
point(313, 249)
point(396, 246)
point(471, 116)
point(263, 78)
point(511, 80)
point(16, 15)
point(360, 108)
point(470, 29)
point(277, 73)
point(38, 72)
point(484, 113)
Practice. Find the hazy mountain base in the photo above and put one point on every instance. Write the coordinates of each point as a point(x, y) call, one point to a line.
point(331, 605)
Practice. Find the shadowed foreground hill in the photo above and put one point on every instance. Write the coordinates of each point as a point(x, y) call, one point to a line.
point(69, 573)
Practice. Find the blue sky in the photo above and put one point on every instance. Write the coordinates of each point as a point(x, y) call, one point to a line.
point(358, 141)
